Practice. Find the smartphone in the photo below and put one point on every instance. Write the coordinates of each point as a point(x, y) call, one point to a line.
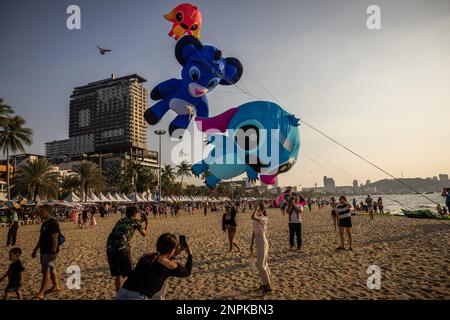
point(183, 242)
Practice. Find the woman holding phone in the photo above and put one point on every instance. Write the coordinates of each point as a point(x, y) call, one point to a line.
point(260, 219)
point(148, 279)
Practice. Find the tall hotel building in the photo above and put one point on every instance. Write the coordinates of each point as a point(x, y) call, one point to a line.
point(107, 117)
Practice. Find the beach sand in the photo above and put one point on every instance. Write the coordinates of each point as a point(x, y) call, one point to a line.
point(414, 257)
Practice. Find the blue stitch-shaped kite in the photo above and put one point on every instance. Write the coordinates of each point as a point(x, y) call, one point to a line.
point(203, 70)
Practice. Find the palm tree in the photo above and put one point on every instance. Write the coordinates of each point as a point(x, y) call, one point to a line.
point(184, 169)
point(168, 173)
point(91, 178)
point(132, 173)
point(70, 183)
point(147, 179)
point(5, 112)
point(37, 179)
point(13, 136)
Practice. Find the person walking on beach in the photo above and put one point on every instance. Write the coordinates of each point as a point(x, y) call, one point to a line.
point(118, 249)
point(294, 211)
point(334, 215)
point(259, 223)
point(380, 205)
point(309, 204)
point(14, 274)
point(13, 228)
point(354, 205)
point(48, 247)
point(93, 213)
point(345, 222)
point(229, 226)
point(369, 203)
point(148, 280)
point(84, 217)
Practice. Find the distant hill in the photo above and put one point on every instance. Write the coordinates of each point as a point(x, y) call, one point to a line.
point(419, 184)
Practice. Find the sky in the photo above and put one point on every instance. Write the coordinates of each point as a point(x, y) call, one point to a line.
point(382, 93)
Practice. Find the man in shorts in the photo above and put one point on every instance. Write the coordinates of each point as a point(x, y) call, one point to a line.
point(118, 249)
point(48, 247)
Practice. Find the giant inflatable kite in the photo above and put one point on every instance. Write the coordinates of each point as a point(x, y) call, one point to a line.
point(258, 138)
point(204, 69)
point(186, 19)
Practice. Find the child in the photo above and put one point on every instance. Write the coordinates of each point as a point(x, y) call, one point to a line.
point(14, 274)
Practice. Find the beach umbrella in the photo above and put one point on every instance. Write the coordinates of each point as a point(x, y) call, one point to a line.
point(12, 204)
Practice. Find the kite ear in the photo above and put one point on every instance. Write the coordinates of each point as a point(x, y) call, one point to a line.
point(186, 47)
point(233, 71)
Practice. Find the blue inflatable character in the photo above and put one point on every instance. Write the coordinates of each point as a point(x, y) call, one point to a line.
point(204, 69)
point(258, 138)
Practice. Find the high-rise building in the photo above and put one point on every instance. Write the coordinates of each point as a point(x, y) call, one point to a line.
point(355, 184)
point(443, 177)
point(57, 148)
point(108, 116)
point(328, 182)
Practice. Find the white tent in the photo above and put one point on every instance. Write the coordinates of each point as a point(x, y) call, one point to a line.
point(72, 197)
point(125, 198)
point(102, 197)
point(110, 197)
point(94, 198)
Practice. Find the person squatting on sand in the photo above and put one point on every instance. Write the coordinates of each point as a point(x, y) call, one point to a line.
point(294, 211)
point(148, 280)
point(14, 274)
point(229, 225)
point(259, 222)
point(345, 222)
point(48, 247)
point(118, 248)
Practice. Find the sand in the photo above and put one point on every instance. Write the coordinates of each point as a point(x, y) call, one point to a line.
point(413, 255)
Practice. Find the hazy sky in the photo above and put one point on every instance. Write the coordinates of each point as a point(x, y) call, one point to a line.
point(383, 93)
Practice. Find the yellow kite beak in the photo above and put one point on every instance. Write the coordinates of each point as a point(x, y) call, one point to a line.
point(169, 16)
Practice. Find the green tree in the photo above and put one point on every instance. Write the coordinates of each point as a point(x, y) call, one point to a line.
point(91, 178)
point(183, 170)
point(147, 179)
point(5, 112)
point(132, 172)
point(13, 137)
point(70, 183)
point(37, 179)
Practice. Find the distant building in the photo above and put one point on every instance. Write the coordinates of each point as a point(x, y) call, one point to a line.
point(108, 116)
point(57, 148)
point(368, 182)
point(443, 177)
point(328, 182)
point(435, 179)
point(355, 184)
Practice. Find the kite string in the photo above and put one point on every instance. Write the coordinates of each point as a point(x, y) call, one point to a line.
point(324, 134)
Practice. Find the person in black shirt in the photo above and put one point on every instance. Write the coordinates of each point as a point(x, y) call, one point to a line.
point(229, 225)
point(14, 274)
point(148, 279)
point(84, 216)
point(344, 222)
point(48, 246)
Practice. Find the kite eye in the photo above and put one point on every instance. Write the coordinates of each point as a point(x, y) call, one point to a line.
point(194, 73)
point(194, 27)
point(179, 16)
point(213, 82)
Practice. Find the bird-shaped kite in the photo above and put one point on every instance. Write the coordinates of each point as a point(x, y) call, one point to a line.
point(103, 51)
point(186, 19)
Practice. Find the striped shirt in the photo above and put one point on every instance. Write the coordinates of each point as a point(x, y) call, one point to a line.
point(343, 210)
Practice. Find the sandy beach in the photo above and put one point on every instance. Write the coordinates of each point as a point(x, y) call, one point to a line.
point(414, 256)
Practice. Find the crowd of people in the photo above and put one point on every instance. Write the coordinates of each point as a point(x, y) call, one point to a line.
point(147, 279)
